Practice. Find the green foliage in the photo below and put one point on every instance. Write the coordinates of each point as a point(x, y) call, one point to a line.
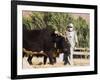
point(82, 29)
point(59, 22)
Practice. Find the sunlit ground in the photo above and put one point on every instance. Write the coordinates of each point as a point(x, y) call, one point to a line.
point(38, 62)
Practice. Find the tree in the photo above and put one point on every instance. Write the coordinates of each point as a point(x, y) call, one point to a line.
point(59, 22)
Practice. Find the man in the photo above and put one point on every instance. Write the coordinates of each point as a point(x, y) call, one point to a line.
point(72, 38)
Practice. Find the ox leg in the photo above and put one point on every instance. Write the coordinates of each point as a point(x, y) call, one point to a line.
point(66, 58)
point(66, 61)
point(54, 59)
point(45, 59)
point(50, 55)
point(30, 59)
point(24, 54)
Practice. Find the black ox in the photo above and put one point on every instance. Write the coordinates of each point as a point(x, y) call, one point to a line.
point(47, 41)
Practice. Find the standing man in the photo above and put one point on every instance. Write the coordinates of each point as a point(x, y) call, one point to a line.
point(72, 38)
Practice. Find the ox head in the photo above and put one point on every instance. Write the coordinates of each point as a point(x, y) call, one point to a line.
point(61, 41)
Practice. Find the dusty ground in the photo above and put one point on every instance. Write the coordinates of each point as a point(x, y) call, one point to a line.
point(38, 63)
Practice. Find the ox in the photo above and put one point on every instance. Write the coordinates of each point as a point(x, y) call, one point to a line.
point(44, 42)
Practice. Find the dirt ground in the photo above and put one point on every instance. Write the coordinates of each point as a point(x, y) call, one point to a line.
point(38, 63)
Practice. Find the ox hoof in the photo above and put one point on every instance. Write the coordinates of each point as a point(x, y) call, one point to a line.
point(52, 63)
point(65, 63)
point(30, 63)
